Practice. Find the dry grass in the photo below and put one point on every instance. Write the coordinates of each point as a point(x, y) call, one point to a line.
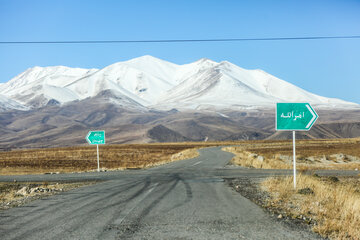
point(253, 160)
point(112, 157)
point(310, 154)
point(260, 154)
point(334, 203)
point(185, 154)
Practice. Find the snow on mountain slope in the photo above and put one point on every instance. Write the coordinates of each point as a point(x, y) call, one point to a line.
point(225, 85)
point(142, 79)
point(58, 76)
point(48, 83)
point(93, 85)
point(155, 83)
point(153, 66)
point(273, 86)
point(135, 79)
point(8, 104)
point(188, 70)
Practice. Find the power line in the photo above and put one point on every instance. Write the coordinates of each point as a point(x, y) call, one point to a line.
point(182, 40)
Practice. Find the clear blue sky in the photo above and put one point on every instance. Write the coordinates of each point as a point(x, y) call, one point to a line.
point(326, 67)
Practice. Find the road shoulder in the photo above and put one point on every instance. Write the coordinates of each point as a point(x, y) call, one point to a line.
point(250, 189)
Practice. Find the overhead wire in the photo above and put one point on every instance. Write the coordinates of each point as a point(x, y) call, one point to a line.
point(182, 40)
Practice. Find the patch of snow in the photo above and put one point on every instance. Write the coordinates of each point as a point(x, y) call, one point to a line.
point(9, 104)
point(223, 115)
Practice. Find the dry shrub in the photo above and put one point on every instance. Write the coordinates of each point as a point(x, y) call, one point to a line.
point(335, 205)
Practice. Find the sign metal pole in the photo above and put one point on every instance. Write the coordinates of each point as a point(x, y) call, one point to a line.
point(97, 151)
point(294, 117)
point(294, 159)
point(96, 137)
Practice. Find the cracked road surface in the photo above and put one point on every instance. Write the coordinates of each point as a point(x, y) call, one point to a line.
point(182, 200)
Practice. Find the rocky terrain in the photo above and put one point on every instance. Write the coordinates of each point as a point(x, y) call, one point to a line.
point(67, 125)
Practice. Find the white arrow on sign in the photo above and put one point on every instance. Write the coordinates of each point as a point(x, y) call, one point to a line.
point(313, 114)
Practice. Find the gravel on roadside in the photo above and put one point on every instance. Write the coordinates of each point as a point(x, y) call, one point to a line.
point(250, 189)
point(19, 193)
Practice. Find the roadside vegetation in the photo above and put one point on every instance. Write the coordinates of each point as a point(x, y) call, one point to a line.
point(340, 154)
point(330, 204)
point(83, 158)
point(311, 154)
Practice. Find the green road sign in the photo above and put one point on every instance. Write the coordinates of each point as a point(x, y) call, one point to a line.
point(96, 137)
point(295, 116)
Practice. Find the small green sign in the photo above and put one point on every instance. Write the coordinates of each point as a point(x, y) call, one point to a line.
point(96, 137)
point(295, 116)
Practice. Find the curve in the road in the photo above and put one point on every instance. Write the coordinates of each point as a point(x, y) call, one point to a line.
point(181, 200)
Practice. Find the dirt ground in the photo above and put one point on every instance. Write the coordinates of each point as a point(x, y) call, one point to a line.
point(81, 159)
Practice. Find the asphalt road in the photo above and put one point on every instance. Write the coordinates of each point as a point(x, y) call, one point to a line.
point(182, 200)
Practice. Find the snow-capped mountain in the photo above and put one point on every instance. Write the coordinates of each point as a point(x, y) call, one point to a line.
point(155, 83)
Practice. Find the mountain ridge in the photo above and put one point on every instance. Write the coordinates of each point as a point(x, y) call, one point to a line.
point(159, 84)
point(147, 99)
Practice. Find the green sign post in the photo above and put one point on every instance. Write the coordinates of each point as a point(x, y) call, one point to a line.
point(294, 117)
point(96, 137)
